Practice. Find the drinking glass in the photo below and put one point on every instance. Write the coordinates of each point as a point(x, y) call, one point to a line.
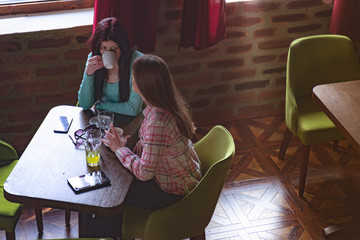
point(105, 118)
point(92, 147)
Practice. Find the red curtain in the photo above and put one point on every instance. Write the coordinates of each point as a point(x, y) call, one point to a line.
point(139, 17)
point(203, 23)
point(345, 19)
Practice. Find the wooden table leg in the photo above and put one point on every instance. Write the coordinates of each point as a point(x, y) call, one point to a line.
point(95, 226)
point(67, 217)
point(10, 235)
point(39, 220)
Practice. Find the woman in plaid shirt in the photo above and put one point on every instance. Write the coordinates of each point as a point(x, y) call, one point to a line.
point(164, 161)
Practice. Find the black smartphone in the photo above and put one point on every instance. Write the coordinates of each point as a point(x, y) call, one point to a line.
point(63, 124)
point(89, 181)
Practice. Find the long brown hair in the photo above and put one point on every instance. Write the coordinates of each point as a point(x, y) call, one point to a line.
point(112, 29)
point(153, 78)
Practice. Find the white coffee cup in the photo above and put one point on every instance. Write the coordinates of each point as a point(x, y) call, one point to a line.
point(119, 131)
point(109, 59)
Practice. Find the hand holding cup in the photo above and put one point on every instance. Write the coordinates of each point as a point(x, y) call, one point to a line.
point(114, 140)
point(94, 63)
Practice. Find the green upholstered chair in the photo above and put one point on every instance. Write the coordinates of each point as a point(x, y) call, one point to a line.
point(312, 61)
point(9, 212)
point(188, 217)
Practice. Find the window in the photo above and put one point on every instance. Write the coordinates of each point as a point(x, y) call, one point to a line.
point(8, 7)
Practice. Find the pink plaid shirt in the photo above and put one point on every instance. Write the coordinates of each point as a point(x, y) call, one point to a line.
point(167, 157)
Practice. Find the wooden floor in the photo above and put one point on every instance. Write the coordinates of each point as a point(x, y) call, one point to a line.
point(259, 200)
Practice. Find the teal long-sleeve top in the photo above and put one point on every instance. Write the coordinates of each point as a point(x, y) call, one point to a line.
point(132, 107)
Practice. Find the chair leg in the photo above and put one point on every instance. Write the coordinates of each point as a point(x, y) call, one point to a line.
point(336, 145)
point(39, 220)
point(10, 236)
point(199, 237)
point(284, 143)
point(67, 217)
point(303, 168)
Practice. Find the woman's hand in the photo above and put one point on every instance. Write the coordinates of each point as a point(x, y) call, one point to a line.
point(138, 148)
point(113, 140)
point(94, 63)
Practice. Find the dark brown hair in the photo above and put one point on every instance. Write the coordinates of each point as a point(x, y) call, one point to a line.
point(112, 29)
point(153, 78)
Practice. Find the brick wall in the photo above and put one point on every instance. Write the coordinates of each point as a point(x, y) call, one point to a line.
point(38, 71)
point(243, 75)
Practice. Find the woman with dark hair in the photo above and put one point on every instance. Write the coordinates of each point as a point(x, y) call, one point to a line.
point(110, 89)
point(164, 161)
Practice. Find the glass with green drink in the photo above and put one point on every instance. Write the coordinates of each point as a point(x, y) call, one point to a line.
point(92, 147)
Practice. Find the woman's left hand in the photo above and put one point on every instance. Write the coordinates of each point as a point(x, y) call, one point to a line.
point(113, 140)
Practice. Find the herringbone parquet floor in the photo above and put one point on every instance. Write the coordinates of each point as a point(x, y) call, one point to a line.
point(259, 200)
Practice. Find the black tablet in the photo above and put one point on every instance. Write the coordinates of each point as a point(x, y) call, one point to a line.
point(89, 181)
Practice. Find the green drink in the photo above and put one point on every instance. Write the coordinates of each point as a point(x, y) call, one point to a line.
point(93, 158)
point(92, 147)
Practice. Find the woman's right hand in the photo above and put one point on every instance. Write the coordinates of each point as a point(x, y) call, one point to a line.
point(94, 63)
point(114, 141)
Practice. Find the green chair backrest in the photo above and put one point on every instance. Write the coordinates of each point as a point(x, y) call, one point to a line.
point(7, 153)
point(320, 59)
point(191, 215)
point(316, 60)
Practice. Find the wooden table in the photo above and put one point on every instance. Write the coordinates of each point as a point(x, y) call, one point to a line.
point(341, 103)
point(40, 177)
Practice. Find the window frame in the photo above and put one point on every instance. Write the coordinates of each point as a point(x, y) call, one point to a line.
point(46, 6)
